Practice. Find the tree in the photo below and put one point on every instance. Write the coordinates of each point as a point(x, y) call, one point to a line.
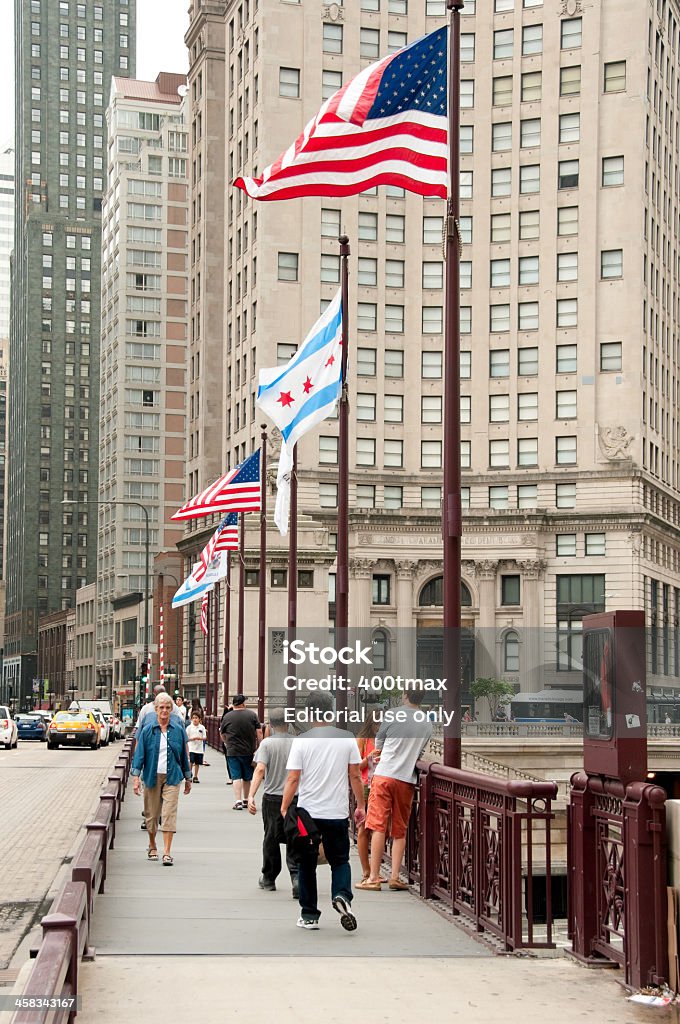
point(495, 691)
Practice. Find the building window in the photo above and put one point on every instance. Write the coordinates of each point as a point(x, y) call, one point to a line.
point(527, 362)
point(432, 319)
point(379, 652)
point(332, 38)
point(395, 228)
point(367, 316)
point(527, 406)
point(500, 273)
point(328, 495)
point(529, 179)
point(498, 497)
point(366, 362)
point(394, 273)
point(501, 182)
point(531, 87)
point(252, 577)
point(365, 496)
point(467, 93)
point(511, 652)
point(570, 81)
point(381, 589)
point(502, 44)
point(499, 362)
point(328, 450)
point(431, 409)
point(610, 355)
point(528, 270)
point(500, 227)
point(565, 545)
point(596, 544)
point(365, 451)
point(567, 266)
point(570, 33)
point(615, 76)
point(567, 220)
point(279, 579)
point(567, 312)
point(431, 365)
point(499, 454)
point(393, 453)
point(368, 227)
point(565, 405)
point(430, 454)
point(611, 263)
point(567, 174)
point(394, 319)
point(510, 590)
point(502, 91)
point(565, 451)
point(369, 43)
point(331, 81)
point(499, 408)
point(530, 133)
point(527, 451)
point(532, 40)
point(289, 82)
point(393, 409)
point(577, 595)
point(565, 495)
point(565, 359)
point(467, 47)
point(288, 266)
point(501, 137)
point(433, 275)
point(365, 407)
point(393, 496)
point(430, 497)
point(330, 223)
point(527, 315)
point(499, 318)
point(612, 171)
point(527, 496)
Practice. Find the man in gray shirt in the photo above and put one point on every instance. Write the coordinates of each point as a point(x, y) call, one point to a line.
point(271, 758)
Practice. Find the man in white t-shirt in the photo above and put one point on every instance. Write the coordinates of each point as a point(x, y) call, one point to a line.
point(322, 765)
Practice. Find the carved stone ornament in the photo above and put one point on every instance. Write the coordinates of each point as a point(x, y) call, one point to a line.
point(361, 568)
point(365, 540)
point(486, 569)
point(425, 568)
point(571, 7)
point(406, 570)
point(531, 568)
point(332, 12)
point(274, 443)
point(615, 442)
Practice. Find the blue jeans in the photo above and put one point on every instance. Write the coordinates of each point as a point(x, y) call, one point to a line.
point(334, 834)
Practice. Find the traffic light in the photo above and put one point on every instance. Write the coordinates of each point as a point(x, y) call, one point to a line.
point(144, 673)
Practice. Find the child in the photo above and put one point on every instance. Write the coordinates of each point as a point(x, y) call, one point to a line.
point(196, 734)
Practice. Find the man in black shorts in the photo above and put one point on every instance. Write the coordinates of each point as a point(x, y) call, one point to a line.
point(241, 734)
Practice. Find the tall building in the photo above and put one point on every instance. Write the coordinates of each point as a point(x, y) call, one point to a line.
point(142, 415)
point(66, 54)
point(6, 247)
point(569, 363)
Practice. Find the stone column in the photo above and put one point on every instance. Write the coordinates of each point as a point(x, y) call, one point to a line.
point(403, 661)
point(532, 634)
point(485, 648)
point(360, 571)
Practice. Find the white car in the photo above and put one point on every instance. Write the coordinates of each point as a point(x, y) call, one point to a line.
point(8, 729)
point(118, 727)
point(103, 727)
point(111, 722)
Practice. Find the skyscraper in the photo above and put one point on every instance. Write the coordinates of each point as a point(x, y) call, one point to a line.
point(569, 363)
point(144, 330)
point(66, 54)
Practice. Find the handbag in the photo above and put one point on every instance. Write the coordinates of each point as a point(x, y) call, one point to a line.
point(300, 829)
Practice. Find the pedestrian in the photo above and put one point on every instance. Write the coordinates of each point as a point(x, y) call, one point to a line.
point(668, 720)
point(227, 709)
point(271, 758)
point(161, 761)
point(467, 717)
point(147, 716)
point(401, 744)
point(321, 763)
point(196, 735)
point(366, 745)
point(181, 707)
point(241, 734)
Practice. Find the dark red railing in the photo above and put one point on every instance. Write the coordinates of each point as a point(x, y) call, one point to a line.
point(482, 846)
point(66, 928)
point(617, 865)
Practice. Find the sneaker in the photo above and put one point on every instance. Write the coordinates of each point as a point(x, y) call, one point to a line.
point(238, 806)
point(264, 884)
point(143, 825)
point(347, 918)
point(310, 926)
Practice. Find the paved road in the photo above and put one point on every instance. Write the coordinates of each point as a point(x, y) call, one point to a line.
point(46, 799)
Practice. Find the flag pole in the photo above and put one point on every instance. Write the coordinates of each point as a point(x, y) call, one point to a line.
point(292, 566)
point(451, 509)
point(342, 575)
point(227, 633)
point(216, 641)
point(262, 616)
point(241, 596)
point(207, 655)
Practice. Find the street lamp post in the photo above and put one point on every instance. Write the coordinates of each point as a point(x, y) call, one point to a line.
point(138, 504)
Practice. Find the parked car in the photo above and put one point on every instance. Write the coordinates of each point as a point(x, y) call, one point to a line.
point(8, 729)
point(110, 720)
point(31, 727)
point(103, 727)
point(74, 728)
point(118, 727)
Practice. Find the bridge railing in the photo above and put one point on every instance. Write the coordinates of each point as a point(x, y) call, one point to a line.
point(482, 845)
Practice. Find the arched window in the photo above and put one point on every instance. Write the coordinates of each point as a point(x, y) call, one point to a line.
point(380, 649)
point(432, 595)
point(511, 651)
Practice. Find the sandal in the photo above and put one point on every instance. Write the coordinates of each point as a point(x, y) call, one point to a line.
point(167, 860)
point(152, 854)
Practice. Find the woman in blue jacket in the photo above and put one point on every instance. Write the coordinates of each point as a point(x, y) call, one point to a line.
point(162, 762)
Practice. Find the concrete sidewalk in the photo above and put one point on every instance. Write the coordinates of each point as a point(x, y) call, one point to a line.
point(200, 940)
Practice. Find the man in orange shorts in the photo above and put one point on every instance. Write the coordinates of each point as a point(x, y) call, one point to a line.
point(400, 744)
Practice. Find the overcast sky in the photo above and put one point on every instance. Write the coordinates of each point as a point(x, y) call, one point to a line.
point(161, 25)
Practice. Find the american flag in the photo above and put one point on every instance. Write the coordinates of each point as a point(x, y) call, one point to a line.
point(225, 538)
point(204, 612)
point(387, 126)
point(236, 491)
